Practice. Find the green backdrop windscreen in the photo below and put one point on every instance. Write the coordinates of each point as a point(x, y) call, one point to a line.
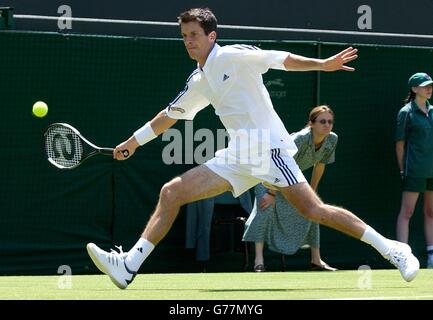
point(107, 87)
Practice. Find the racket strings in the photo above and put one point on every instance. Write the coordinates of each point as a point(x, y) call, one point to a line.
point(63, 146)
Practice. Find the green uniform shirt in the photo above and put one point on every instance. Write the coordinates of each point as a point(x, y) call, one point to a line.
point(416, 129)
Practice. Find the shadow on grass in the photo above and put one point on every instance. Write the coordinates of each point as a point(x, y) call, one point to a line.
point(255, 290)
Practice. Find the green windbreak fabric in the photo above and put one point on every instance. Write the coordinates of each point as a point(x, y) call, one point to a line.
point(107, 87)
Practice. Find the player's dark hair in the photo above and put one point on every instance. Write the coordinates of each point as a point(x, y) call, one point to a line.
point(204, 16)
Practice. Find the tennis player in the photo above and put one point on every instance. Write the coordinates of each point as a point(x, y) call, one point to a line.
point(260, 148)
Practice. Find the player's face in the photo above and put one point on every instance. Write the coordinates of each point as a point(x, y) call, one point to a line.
point(197, 43)
point(323, 124)
point(424, 92)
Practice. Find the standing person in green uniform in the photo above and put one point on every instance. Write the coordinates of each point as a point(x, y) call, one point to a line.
point(273, 219)
point(414, 149)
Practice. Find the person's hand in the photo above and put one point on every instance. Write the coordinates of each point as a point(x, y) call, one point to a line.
point(129, 145)
point(266, 201)
point(338, 62)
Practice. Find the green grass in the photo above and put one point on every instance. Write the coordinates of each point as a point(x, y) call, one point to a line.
point(384, 284)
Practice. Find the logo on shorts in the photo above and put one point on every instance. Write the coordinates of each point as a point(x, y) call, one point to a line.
point(277, 180)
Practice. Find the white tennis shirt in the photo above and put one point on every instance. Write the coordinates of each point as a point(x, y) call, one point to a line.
point(231, 81)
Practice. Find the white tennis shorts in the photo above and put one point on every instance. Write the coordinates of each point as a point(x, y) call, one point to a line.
point(276, 169)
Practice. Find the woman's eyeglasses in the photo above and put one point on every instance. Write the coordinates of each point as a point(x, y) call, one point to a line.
point(323, 121)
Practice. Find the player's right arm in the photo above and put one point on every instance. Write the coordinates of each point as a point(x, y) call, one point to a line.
point(161, 122)
point(149, 131)
point(185, 106)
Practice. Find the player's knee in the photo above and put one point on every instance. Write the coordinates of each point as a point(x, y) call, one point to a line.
point(170, 194)
point(313, 212)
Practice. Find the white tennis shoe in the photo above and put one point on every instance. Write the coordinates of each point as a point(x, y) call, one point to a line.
point(400, 255)
point(112, 264)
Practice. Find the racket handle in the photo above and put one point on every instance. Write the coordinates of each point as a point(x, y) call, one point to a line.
point(109, 152)
point(106, 151)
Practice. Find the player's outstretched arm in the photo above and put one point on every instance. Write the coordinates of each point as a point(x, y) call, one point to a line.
point(295, 62)
point(149, 131)
point(339, 61)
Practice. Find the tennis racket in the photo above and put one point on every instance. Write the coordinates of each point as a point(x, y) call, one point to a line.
point(66, 148)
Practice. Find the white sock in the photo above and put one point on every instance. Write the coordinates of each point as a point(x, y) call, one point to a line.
point(376, 240)
point(138, 254)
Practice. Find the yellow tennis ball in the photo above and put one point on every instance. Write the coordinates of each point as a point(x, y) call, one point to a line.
point(40, 109)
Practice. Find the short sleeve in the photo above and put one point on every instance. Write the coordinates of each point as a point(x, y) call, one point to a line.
point(400, 132)
point(258, 59)
point(302, 141)
point(301, 138)
point(189, 101)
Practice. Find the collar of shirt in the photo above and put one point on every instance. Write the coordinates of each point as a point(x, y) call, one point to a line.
point(311, 142)
point(209, 58)
point(415, 106)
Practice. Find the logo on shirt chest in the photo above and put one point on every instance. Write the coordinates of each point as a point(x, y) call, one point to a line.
point(225, 77)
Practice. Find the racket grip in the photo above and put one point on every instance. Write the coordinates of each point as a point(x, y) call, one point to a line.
point(109, 152)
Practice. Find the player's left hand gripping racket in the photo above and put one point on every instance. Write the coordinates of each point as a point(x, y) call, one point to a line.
point(66, 148)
